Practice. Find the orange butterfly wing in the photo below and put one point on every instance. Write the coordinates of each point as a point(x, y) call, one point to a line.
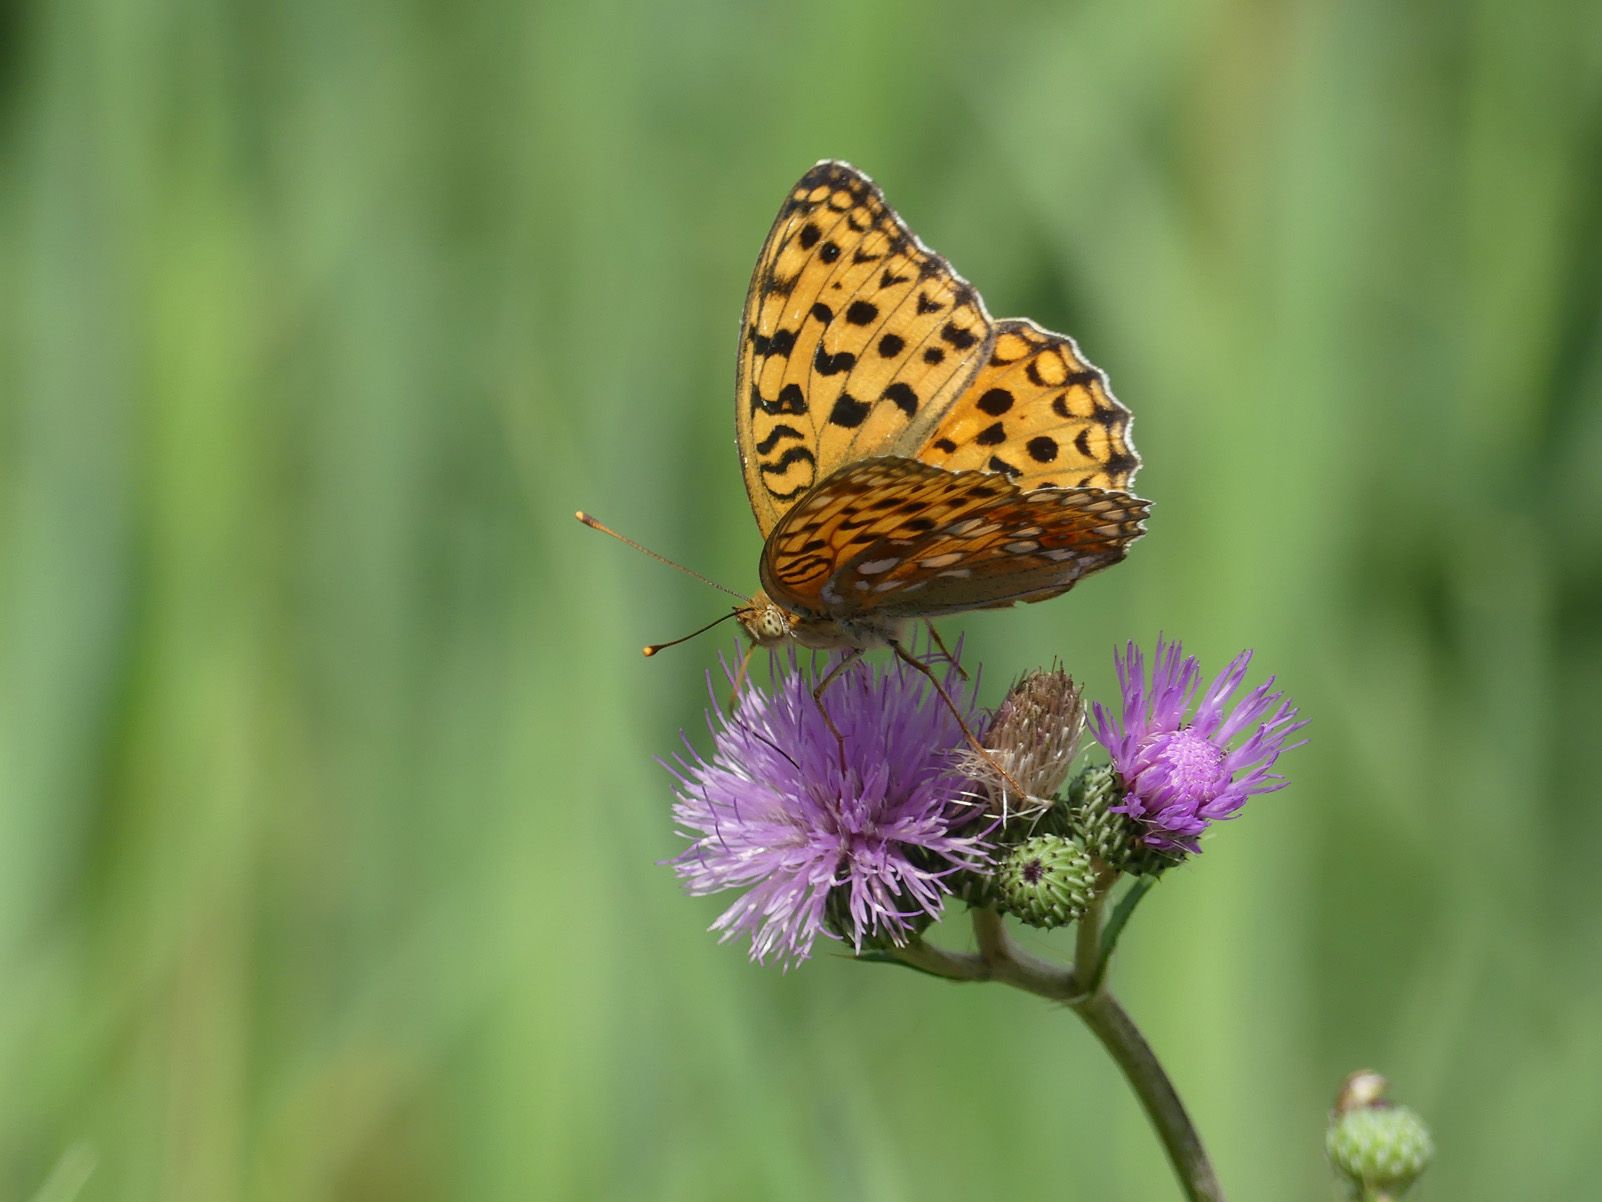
point(1039, 413)
point(906, 456)
point(899, 538)
point(855, 341)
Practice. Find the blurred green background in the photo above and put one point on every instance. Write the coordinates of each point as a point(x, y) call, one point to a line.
point(328, 809)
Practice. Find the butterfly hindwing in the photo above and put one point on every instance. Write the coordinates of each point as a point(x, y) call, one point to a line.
point(898, 538)
point(855, 341)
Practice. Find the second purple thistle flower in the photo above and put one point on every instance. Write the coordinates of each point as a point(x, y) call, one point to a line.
point(1180, 774)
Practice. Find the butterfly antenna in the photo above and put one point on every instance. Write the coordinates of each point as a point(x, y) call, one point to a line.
point(604, 529)
point(655, 647)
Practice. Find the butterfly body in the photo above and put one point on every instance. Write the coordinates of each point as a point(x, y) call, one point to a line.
point(905, 455)
point(770, 625)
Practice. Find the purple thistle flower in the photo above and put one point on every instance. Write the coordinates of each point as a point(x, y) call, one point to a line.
point(866, 851)
point(1180, 776)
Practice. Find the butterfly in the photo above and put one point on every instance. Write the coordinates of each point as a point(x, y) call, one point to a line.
point(905, 455)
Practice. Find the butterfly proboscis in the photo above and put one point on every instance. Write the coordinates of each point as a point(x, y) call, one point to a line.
point(768, 626)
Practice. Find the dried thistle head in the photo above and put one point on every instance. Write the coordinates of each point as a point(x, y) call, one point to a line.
point(1034, 736)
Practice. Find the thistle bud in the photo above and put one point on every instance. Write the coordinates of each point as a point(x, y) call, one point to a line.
point(1034, 737)
point(1378, 1146)
point(1109, 835)
point(1046, 881)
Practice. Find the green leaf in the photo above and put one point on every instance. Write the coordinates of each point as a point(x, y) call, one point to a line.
point(1120, 915)
point(876, 956)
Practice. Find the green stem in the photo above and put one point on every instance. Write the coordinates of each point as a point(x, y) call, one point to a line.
point(1000, 959)
point(1087, 944)
point(1144, 1072)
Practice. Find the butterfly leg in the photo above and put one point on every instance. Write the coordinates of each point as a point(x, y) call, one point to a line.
point(739, 675)
point(849, 658)
point(939, 642)
point(912, 661)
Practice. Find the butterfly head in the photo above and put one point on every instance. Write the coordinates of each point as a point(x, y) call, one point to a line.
point(766, 623)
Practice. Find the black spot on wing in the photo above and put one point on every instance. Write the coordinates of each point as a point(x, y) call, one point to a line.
point(832, 365)
point(790, 400)
point(784, 462)
point(925, 305)
point(828, 252)
point(945, 445)
point(849, 412)
point(933, 355)
point(861, 312)
point(1107, 416)
point(961, 339)
point(1118, 463)
point(992, 435)
point(809, 236)
point(1082, 442)
point(1042, 449)
point(901, 395)
point(777, 435)
point(781, 344)
point(823, 313)
point(995, 402)
point(998, 464)
point(891, 345)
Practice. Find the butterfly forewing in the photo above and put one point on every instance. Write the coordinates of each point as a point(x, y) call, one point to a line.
point(898, 538)
point(1038, 413)
point(855, 342)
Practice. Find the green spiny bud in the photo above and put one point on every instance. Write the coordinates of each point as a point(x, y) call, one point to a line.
point(1046, 881)
point(1106, 835)
point(1376, 1145)
point(1111, 838)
